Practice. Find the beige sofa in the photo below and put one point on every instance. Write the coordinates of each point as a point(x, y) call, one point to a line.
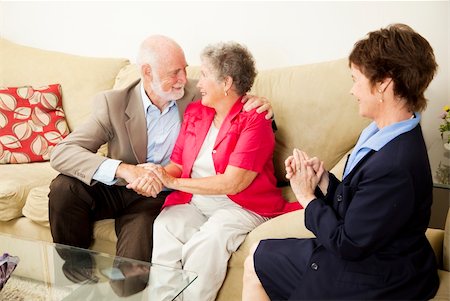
point(312, 106)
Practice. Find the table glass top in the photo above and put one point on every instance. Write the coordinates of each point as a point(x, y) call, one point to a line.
point(69, 273)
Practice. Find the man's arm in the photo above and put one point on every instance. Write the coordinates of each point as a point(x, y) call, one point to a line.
point(76, 155)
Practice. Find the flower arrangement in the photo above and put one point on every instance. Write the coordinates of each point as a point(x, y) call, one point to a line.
point(445, 125)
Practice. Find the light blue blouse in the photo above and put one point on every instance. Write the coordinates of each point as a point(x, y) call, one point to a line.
point(372, 138)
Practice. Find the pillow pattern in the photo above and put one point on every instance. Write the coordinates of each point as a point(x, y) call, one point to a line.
point(32, 122)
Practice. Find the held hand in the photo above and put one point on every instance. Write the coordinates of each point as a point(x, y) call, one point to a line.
point(164, 177)
point(134, 175)
point(148, 166)
point(146, 186)
point(261, 103)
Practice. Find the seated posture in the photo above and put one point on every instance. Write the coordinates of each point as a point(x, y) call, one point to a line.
point(140, 123)
point(370, 228)
point(222, 169)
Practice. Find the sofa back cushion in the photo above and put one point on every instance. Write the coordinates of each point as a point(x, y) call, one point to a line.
point(32, 122)
point(314, 110)
point(80, 77)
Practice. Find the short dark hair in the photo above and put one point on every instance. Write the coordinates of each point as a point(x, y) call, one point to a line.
point(402, 54)
point(234, 60)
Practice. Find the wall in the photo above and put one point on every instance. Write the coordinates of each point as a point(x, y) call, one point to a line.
point(278, 33)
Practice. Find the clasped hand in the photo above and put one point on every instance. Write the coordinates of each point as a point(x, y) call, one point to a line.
point(150, 181)
point(305, 174)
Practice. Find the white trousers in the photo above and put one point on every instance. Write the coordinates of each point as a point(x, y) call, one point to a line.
point(201, 239)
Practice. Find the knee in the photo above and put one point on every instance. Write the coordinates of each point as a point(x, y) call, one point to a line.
point(61, 184)
point(253, 249)
point(249, 265)
point(249, 271)
point(161, 222)
point(61, 188)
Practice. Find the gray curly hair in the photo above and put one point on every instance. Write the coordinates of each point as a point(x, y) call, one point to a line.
point(234, 60)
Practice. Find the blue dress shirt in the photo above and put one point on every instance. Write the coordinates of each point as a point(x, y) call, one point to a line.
point(162, 132)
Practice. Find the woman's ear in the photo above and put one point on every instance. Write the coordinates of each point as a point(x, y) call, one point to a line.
point(228, 83)
point(384, 84)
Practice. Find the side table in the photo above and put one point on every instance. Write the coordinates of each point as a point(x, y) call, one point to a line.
point(440, 168)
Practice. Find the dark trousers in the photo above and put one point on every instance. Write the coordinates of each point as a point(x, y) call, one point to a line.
point(75, 206)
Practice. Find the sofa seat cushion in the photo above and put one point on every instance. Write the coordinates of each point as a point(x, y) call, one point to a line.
point(36, 205)
point(16, 181)
point(443, 292)
point(104, 230)
point(36, 209)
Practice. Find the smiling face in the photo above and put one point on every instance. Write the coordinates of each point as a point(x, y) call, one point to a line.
point(163, 69)
point(369, 105)
point(211, 89)
point(169, 77)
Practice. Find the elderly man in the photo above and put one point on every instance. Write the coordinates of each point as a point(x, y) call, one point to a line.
point(140, 123)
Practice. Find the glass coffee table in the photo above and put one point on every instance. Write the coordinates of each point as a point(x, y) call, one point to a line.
point(48, 271)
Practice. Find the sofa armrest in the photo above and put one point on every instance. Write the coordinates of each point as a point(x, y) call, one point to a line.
point(436, 239)
point(284, 226)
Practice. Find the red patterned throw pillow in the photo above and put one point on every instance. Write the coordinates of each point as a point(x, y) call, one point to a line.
point(32, 122)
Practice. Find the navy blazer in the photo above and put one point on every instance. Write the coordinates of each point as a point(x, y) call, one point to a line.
point(370, 229)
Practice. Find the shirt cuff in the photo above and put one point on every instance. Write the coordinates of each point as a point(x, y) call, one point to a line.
point(106, 172)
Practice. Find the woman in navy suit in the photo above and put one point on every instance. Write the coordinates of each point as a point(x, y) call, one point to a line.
point(370, 228)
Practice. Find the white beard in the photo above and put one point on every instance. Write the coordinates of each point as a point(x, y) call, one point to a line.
point(167, 96)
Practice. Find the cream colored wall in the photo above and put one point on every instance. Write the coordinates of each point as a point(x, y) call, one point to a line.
point(278, 33)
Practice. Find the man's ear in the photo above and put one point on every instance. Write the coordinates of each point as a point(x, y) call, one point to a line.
point(146, 72)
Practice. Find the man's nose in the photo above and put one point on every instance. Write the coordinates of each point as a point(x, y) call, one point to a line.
point(182, 77)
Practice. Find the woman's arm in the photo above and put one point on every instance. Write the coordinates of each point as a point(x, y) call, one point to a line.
point(232, 181)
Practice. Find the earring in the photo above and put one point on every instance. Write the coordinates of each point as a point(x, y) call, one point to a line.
point(226, 93)
point(381, 95)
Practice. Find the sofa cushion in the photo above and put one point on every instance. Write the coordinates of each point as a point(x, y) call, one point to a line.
point(104, 230)
point(36, 205)
point(80, 77)
point(319, 116)
point(36, 209)
point(32, 122)
point(16, 181)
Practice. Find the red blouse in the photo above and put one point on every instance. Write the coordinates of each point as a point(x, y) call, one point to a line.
point(245, 140)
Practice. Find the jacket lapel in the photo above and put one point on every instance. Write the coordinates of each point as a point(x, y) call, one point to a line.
point(224, 129)
point(358, 165)
point(199, 126)
point(136, 125)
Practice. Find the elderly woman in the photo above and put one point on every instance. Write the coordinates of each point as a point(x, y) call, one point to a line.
point(370, 228)
point(221, 168)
